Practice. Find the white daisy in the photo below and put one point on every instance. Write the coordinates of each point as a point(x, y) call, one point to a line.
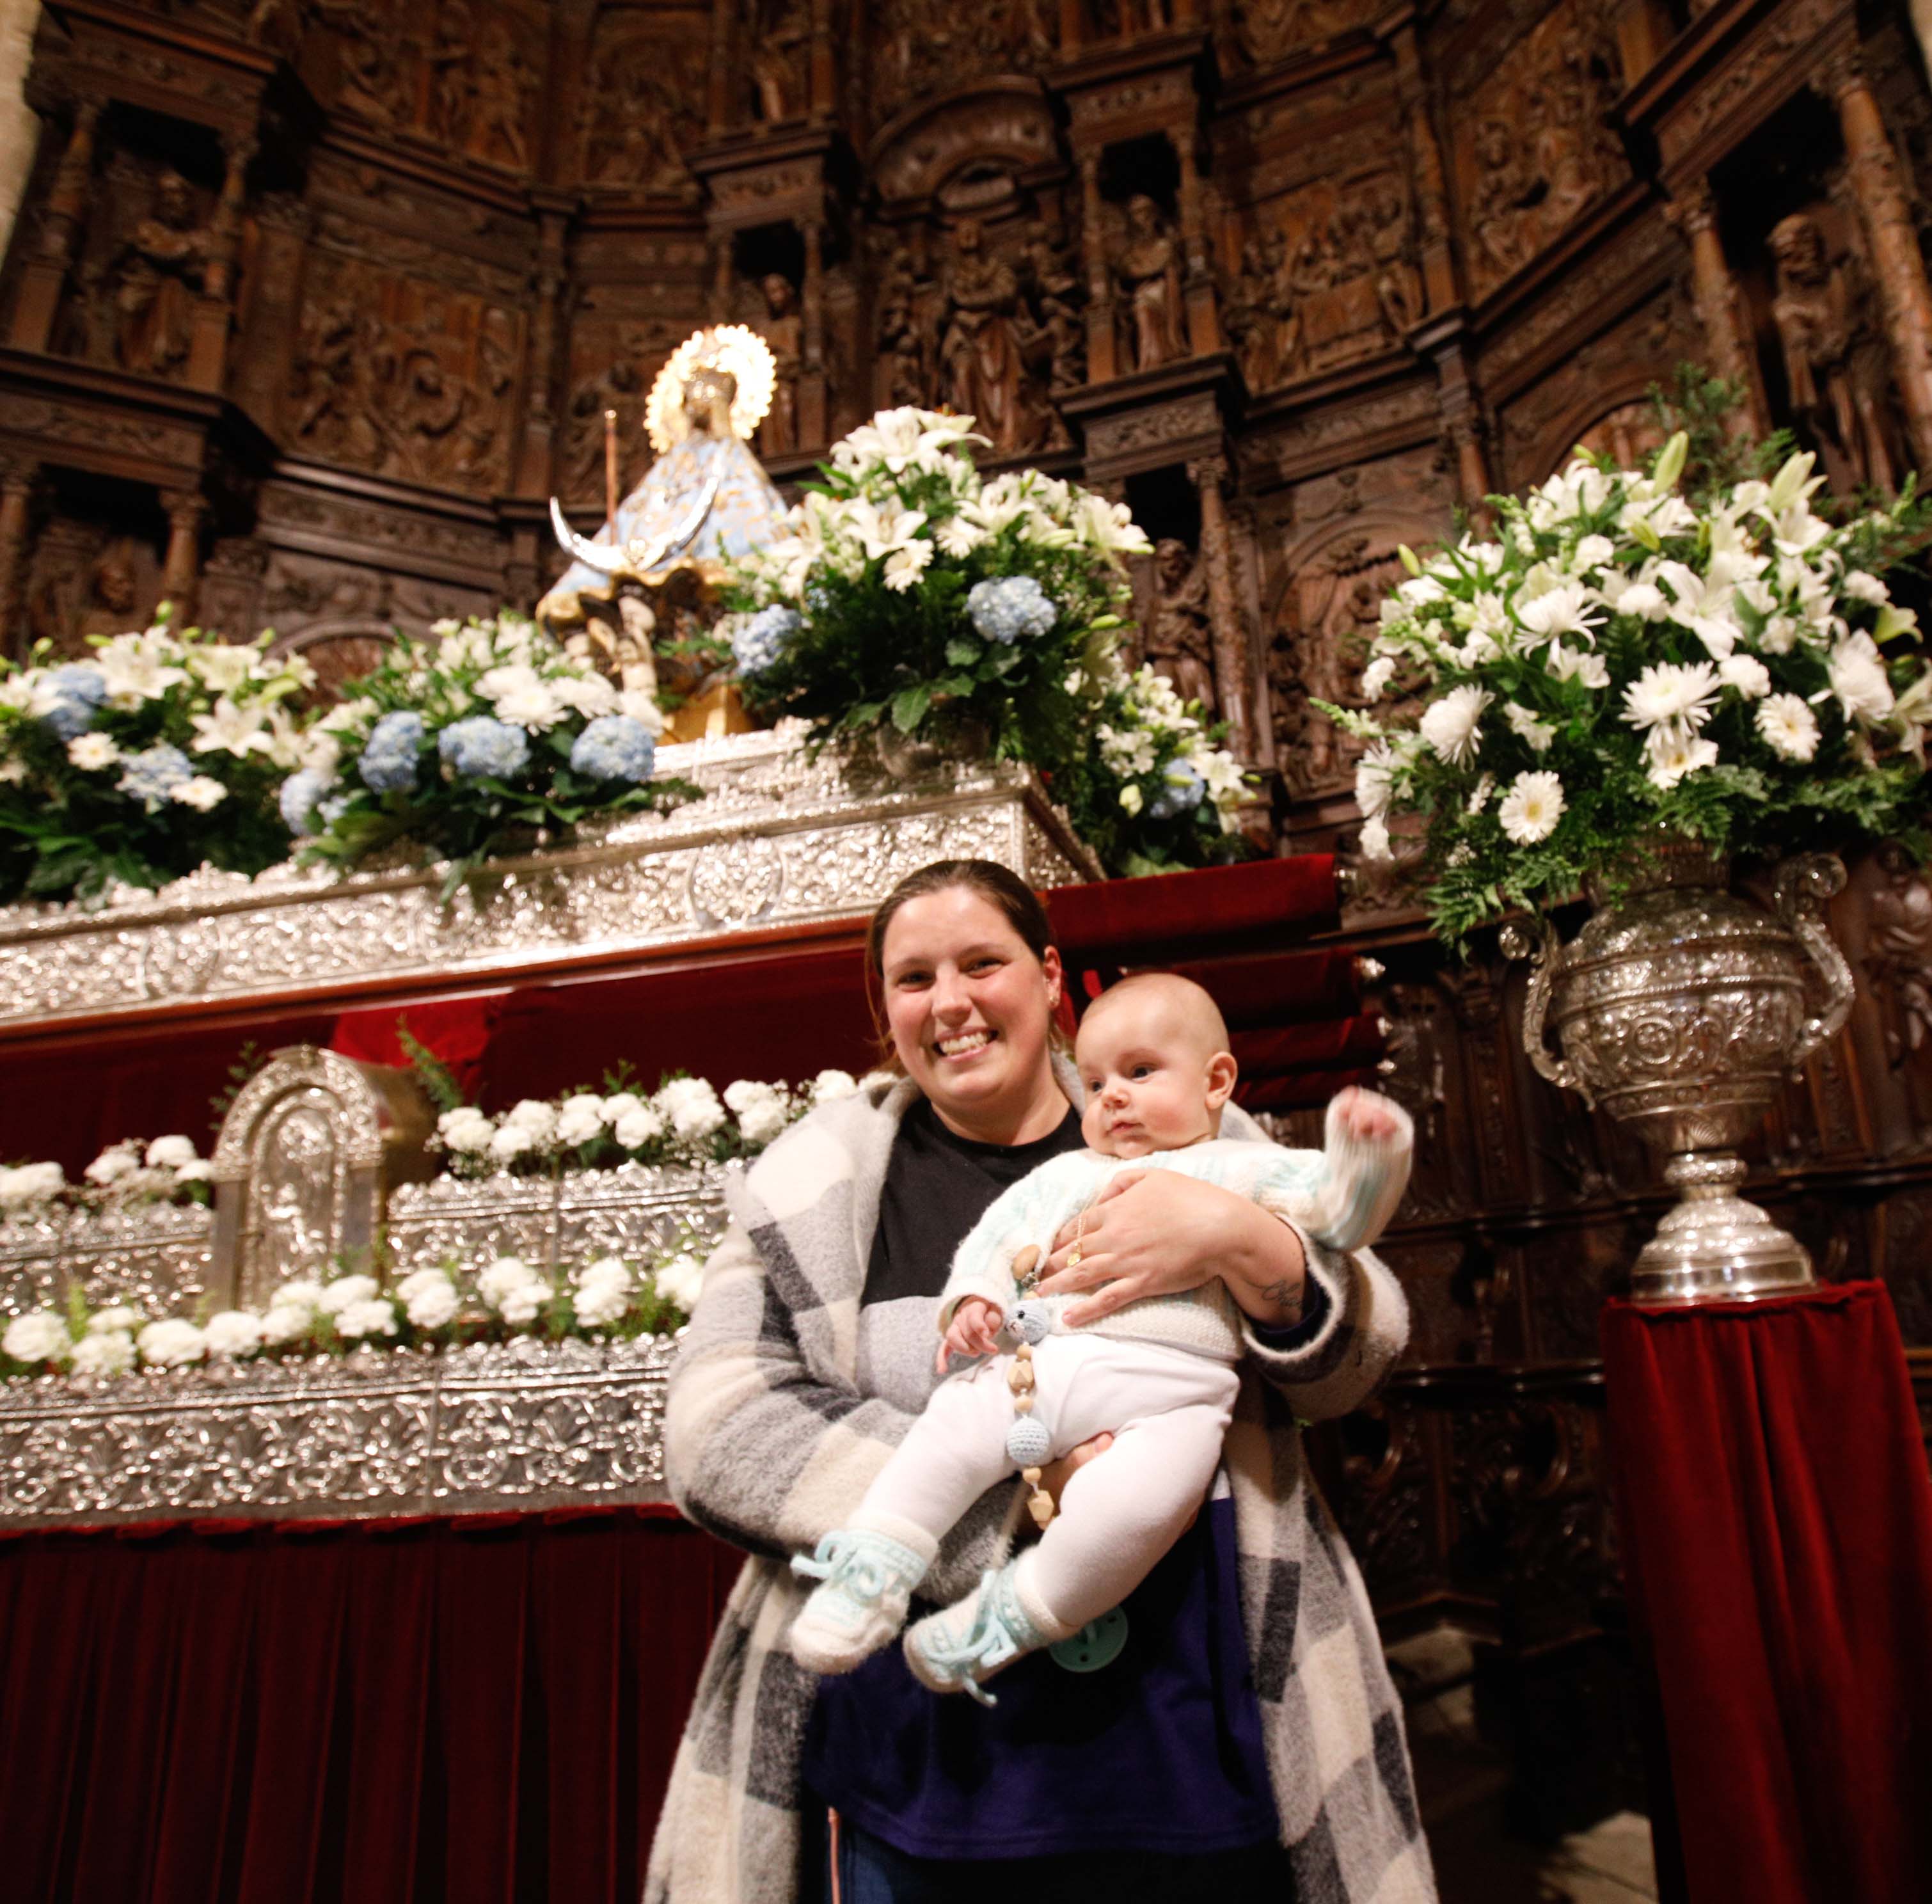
point(1671, 693)
point(1789, 727)
point(1532, 807)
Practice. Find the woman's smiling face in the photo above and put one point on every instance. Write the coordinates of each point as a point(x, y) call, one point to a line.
point(969, 1007)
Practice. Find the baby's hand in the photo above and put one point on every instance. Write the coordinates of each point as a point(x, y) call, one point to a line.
point(1364, 1116)
point(972, 1331)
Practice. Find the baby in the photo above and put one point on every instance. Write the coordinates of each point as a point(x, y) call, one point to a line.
point(1159, 1373)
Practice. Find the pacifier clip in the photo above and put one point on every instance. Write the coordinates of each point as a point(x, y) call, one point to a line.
point(1027, 1441)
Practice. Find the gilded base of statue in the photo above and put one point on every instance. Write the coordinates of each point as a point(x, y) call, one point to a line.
point(1680, 1010)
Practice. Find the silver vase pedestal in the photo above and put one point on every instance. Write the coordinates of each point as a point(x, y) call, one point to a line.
point(1680, 1010)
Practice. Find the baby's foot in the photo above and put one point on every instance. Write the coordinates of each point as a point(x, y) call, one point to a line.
point(867, 1574)
point(954, 1650)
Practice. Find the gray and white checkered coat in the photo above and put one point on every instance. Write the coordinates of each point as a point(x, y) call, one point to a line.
point(770, 1443)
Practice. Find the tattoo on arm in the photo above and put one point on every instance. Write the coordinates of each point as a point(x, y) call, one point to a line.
point(1286, 1295)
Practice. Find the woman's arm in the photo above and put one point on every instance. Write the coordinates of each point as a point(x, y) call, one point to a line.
point(761, 1453)
point(1157, 1233)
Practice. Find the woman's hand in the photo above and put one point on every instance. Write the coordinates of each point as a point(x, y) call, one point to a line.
point(1156, 1233)
point(972, 1331)
point(1054, 1477)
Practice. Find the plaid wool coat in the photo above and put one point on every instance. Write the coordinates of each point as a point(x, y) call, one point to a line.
point(769, 1444)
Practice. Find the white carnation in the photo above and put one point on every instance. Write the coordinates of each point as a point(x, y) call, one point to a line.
point(344, 1293)
point(1858, 679)
point(112, 1164)
point(510, 1143)
point(637, 1128)
point(579, 1126)
point(828, 1086)
point(433, 1304)
point(302, 1293)
point(1747, 673)
point(681, 1280)
point(1376, 677)
point(1531, 808)
point(533, 1115)
point(118, 1317)
point(111, 1353)
point(171, 1344)
point(520, 1306)
point(374, 1315)
point(504, 1276)
point(232, 1332)
point(621, 1106)
point(1373, 840)
point(285, 1322)
point(170, 1153)
point(763, 1118)
point(692, 1106)
point(465, 1130)
point(38, 1336)
point(30, 1183)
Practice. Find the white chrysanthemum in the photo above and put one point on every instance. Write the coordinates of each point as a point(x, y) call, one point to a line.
point(1373, 787)
point(1449, 725)
point(1673, 754)
point(1858, 679)
point(1524, 724)
point(344, 1293)
point(1747, 673)
point(1531, 808)
point(1577, 664)
point(1671, 693)
point(1373, 840)
point(111, 1353)
point(1789, 727)
point(375, 1315)
point(38, 1336)
point(171, 1344)
point(959, 535)
point(232, 1333)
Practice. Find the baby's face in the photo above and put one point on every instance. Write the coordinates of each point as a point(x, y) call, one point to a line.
point(1151, 1084)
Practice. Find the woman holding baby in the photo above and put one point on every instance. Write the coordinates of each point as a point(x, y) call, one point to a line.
point(1230, 1733)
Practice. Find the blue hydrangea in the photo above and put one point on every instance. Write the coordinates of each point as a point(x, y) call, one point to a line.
point(301, 793)
point(483, 748)
point(1010, 608)
point(152, 775)
point(389, 762)
point(615, 747)
point(78, 691)
point(759, 641)
point(1183, 790)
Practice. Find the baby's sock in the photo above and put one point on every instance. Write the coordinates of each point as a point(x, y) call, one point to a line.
point(1365, 1181)
point(867, 1572)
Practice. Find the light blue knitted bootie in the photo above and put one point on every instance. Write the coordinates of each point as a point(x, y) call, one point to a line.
point(867, 1574)
point(954, 1650)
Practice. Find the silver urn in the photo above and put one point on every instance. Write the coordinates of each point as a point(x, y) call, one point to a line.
point(1681, 1009)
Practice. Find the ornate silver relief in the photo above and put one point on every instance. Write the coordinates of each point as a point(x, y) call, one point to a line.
point(524, 1425)
point(154, 1256)
point(778, 838)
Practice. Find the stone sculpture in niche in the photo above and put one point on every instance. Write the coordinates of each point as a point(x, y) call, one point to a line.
point(979, 354)
point(1836, 368)
point(1148, 268)
point(781, 32)
point(155, 279)
point(1180, 639)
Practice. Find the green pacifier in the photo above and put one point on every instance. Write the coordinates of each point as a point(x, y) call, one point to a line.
point(1097, 1644)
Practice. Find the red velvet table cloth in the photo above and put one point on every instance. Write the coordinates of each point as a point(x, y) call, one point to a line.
point(400, 1712)
point(1776, 1518)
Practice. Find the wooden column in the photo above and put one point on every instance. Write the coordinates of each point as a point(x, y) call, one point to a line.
point(1203, 316)
point(1073, 27)
point(1232, 685)
point(718, 111)
point(1473, 483)
point(535, 453)
point(181, 569)
point(1693, 211)
point(17, 494)
point(823, 80)
point(44, 273)
point(273, 317)
point(811, 380)
point(1101, 348)
point(214, 314)
point(1896, 261)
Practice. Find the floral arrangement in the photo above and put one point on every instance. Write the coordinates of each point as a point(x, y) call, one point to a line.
point(167, 1170)
point(910, 597)
point(608, 1300)
point(490, 737)
point(1618, 663)
point(683, 1122)
point(160, 753)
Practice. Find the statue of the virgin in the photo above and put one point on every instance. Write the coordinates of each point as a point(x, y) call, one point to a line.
point(650, 578)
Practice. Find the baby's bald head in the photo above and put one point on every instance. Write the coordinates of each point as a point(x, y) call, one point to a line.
point(1153, 1053)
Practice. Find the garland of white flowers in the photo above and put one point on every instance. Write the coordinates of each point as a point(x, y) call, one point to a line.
point(610, 1299)
point(124, 1176)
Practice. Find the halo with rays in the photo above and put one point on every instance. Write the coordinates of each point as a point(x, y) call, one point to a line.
point(734, 347)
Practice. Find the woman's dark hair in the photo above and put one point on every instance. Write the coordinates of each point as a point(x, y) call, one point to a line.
point(1004, 891)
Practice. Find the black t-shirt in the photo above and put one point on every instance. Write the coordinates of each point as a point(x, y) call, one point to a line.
point(937, 1186)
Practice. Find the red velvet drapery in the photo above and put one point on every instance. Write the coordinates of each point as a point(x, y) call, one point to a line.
point(399, 1712)
point(1777, 1516)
